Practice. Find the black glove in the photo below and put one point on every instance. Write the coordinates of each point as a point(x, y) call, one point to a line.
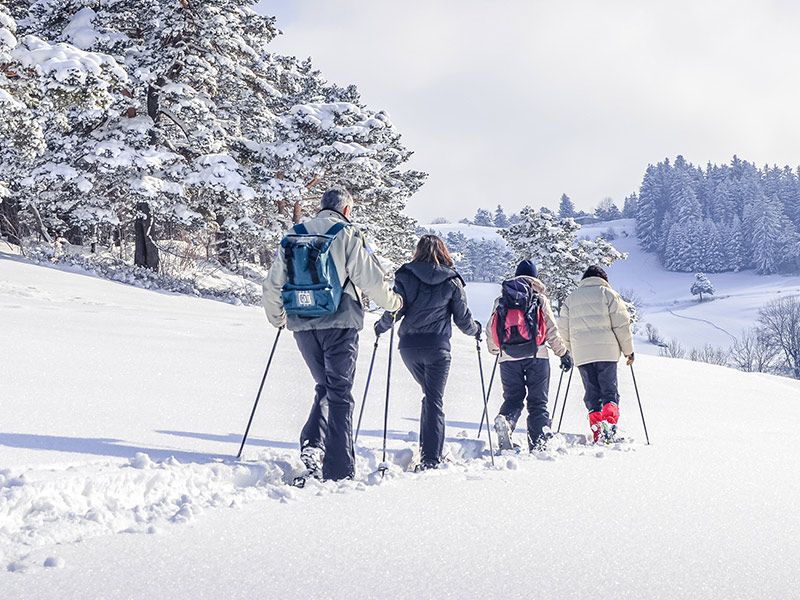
point(378, 329)
point(566, 362)
point(478, 336)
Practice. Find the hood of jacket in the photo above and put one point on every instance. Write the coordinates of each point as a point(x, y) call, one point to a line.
point(430, 273)
point(593, 281)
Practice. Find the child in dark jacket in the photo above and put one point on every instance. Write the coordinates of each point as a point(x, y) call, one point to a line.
point(433, 295)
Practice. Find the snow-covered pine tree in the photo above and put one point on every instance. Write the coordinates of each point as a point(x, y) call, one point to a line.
point(552, 244)
point(701, 285)
point(483, 218)
point(647, 222)
point(75, 93)
point(500, 218)
point(630, 207)
point(566, 207)
point(735, 259)
point(766, 223)
point(712, 253)
point(607, 210)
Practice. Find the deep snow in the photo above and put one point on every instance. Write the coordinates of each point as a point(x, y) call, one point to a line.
point(121, 408)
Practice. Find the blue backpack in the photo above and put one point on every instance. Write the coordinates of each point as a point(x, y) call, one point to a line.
point(313, 288)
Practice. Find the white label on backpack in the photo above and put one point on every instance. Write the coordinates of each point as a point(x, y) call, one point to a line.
point(305, 298)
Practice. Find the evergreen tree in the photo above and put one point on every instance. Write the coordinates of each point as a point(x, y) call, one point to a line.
point(551, 242)
point(607, 210)
point(483, 218)
point(630, 208)
point(647, 222)
point(701, 285)
point(566, 208)
point(765, 217)
point(713, 259)
point(500, 218)
point(513, 219)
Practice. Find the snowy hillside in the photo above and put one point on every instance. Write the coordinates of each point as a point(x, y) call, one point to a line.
point(121, 409)
point(666, 301)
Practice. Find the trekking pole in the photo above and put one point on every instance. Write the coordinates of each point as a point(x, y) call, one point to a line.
point(485, 401)
point(488, 393)
point(258, 395)
point(636, 387)
point(382, 468)
point(558, 391)
point(366, 389)
point(564, 405)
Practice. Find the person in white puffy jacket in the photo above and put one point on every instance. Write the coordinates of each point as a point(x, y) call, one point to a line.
point(596, 327)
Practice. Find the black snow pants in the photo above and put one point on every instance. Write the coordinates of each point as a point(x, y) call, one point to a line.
point(430, 368)
point(600, 383)
point(526, 378)
point(331, 357)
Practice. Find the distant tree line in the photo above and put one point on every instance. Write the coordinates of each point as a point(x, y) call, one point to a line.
point(721, 217)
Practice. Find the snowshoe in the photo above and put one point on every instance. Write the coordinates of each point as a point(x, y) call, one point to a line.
point(608, 433)
point(312, 460)
point(503, 430)
point(540, 443)
point(426, 466)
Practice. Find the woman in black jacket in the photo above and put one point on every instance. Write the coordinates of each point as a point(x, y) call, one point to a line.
point(433, 294)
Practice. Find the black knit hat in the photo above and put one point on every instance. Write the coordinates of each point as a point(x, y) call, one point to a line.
point(595, 271)
point(527, 267)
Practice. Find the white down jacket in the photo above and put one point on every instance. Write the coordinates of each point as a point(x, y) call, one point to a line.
point(595, 323)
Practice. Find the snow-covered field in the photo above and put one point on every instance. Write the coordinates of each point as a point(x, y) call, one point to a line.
point(120, 409)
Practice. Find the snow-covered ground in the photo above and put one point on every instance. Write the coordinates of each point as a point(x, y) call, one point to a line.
point(121, 409)
point(666, 301)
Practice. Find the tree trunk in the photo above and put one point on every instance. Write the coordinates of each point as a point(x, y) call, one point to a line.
point(145, 252)
point(225, 251)
point(9, 221)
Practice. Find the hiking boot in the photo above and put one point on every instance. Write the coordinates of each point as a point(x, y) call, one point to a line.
point(594, 424)
point(503, 430)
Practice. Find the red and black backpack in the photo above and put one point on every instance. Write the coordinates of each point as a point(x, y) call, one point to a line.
point(518, 326)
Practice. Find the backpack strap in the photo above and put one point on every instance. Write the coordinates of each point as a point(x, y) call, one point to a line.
point(335, 229)
point(300, 229)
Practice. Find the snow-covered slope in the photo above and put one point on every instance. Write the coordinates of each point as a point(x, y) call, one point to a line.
point(102, 383)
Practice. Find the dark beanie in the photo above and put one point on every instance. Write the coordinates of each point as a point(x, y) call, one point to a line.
point(527, 267)
point(595, 271)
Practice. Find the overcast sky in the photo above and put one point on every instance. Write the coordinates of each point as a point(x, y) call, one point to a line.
point(515, 102)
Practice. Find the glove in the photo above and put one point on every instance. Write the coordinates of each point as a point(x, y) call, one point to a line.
point(567, 362)
point(630, 359)
point(478, 336)
point(378, 330)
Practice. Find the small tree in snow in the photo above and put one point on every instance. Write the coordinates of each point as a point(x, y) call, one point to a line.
point(701, 286)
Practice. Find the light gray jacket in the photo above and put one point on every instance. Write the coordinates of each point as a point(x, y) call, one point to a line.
point(595, 323)
point(358, 269)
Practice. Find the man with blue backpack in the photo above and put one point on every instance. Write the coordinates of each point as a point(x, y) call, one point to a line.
point(314, 290)
point(521, 323)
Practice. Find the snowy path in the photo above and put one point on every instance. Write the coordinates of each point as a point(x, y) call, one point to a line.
point(101, 371)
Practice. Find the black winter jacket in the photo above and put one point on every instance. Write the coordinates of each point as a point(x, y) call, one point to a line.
point(432, 294)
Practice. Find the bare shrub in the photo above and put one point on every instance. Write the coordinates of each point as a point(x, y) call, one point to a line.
point(754, 352)
point(710, 354)
point(653, 336)
point(673, 349)
point(780, 323)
